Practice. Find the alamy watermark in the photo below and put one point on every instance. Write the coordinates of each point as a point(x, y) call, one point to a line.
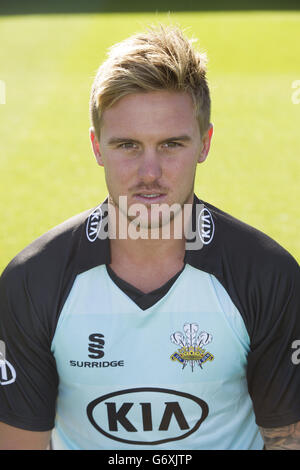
point(155, 221)
point(296, 93)
point(2, 92)
point(2, 353)
point(296, 354)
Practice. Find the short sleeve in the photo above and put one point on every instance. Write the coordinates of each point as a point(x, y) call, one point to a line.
point(273, 373)
point(28, 377)
point(263, 281)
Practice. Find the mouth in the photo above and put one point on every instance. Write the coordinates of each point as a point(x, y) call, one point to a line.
point(150, 198)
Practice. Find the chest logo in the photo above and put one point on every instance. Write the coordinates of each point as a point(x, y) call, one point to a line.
point(147, 416)
point(96, 346)
point(192, 346)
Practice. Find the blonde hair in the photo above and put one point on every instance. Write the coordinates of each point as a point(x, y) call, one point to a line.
point(162, 58)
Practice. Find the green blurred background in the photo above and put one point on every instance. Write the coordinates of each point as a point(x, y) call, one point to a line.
point(49, 53)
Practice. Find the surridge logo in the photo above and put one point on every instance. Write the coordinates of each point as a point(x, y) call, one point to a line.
point(147, 415)
point(192, 346)
point(7, 371)
point(96, 345)
point(94, 224)
point(95, 348)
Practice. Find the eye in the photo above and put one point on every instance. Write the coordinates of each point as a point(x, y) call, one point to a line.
point(171, 144)
point(128, 145)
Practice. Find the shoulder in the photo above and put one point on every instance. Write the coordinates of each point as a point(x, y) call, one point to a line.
point(38, 279)
point(261, 277)
point(37, 282)
point(50, 250)
point(249, 249)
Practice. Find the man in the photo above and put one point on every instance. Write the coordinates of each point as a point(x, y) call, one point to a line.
point(118, 334)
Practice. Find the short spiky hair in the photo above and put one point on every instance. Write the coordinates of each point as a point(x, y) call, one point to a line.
point(162, 58)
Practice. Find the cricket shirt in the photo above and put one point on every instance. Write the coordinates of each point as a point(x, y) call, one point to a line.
point(198, 363)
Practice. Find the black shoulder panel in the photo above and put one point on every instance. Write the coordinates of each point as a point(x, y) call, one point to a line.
point(263, 281)
point(33, 289)
point(45, 269)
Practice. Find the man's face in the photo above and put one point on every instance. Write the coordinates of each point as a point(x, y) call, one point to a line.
point(150, 145)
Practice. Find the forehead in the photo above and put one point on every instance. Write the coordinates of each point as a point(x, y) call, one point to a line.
point(150, 114)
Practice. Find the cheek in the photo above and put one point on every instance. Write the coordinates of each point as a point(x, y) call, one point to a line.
point(182, 169)
point(117, 173)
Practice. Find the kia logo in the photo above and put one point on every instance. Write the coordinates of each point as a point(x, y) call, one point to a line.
point(158, 414)
point(94, 224)
point(206, 226)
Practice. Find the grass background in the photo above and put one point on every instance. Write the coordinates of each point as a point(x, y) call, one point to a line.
point(48, 59)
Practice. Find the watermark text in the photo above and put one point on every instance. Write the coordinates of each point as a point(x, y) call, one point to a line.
point(296, 93)
point(193, 223)
point(296, 354)
point(2, 92)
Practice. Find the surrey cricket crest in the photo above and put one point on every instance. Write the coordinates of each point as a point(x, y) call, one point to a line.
point(192, 346)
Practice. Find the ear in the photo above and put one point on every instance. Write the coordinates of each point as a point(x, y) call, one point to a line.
point(95, 146)
point(206, 139)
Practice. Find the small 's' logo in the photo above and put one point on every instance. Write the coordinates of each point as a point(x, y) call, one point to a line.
point(96, 346)
point(7, 371)
point(192, 346)
point(206, 226)
point(94, 224)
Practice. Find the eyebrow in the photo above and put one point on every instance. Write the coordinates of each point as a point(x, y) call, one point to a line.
point(118, 140)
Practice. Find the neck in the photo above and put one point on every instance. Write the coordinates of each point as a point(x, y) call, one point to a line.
point(148, 246)
point(147, 252)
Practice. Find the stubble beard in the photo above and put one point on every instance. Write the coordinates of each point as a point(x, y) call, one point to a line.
point(152, 225)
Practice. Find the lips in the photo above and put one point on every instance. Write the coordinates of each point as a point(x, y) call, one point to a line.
point(149, 197)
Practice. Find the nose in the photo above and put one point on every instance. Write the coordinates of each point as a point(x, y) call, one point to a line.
point(150, 166)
